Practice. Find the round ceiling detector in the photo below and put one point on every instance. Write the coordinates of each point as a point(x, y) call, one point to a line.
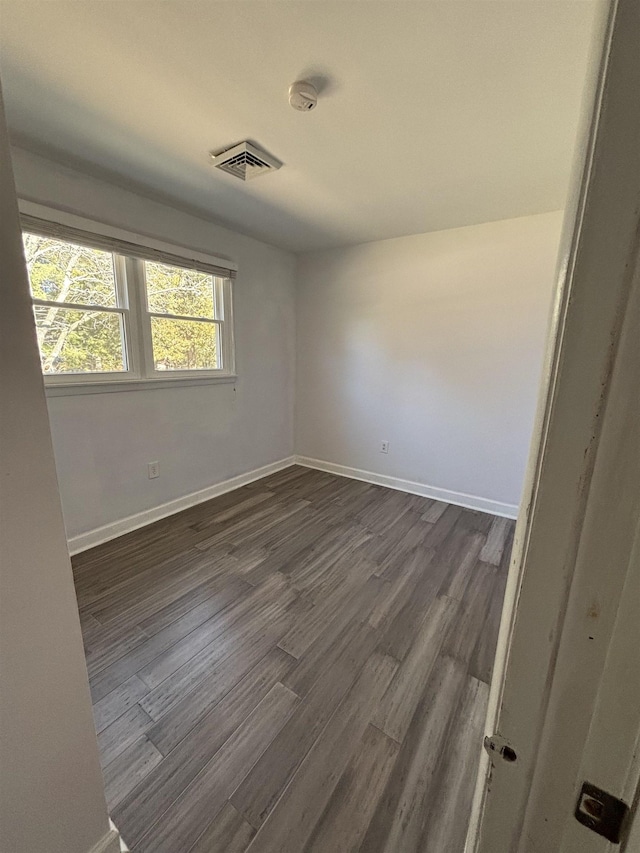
point(303, 96)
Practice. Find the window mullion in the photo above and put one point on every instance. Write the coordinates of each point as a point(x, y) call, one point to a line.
point(137, 335)
point(122, 300)
point(146, 339)
point(227, 348)
point(218, 298)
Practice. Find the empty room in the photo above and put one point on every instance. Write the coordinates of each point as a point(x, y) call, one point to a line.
point(290, 268)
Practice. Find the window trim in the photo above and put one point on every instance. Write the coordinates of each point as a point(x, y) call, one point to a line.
point(141, 374)
point(221, 300)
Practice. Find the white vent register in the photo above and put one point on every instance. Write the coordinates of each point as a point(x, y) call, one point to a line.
point(245, 160)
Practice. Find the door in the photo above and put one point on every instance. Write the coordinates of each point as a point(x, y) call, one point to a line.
point(564, 697)
point(611, 754)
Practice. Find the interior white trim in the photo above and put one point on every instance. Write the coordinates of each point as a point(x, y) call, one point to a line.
point(433, 492)
point(60, 389)
point(91, 226)
point(98, 535)
point(110, 843)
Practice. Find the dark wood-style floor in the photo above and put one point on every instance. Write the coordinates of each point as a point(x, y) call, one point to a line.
point(299, 666)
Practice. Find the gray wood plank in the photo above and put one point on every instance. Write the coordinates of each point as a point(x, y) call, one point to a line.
point(114, 704)
point(180, 826)
point(454, 780)
point(339, 572)
point(461, 567)
point(343, 639)
point(434, 512)
point(90, 627)
point(252, 635)
point(215, 685)
point(291, 547)
point(152, 648)
point(244, 508)
point(398, 822)
point(147, 601)
point(256, 526)
point(443, 525)
point(342, 543)
point(353, 803)
point(345, 596)
point(492, 551)
point(188, 751)
point(396, 708)
point(128, 769)
point(401, 632)
point(206, 600)
point(462, 637)
point(400, 586)
point(300, 807)
point(122, 733)
point(137, 596)
point(111, 645)
point(484, 652)
point(228, 833)
point(254, 608)
point(259, 792)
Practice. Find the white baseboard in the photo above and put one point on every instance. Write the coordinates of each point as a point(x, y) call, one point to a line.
point(458, 498)
point(91, 538)
point(109, 844)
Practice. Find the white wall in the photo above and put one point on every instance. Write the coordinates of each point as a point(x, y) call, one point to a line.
point(433, 342)
point(200, 435)
point(51, 789)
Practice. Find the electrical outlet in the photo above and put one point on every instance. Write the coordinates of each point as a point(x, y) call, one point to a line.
point(154, 470)
point(384, 447)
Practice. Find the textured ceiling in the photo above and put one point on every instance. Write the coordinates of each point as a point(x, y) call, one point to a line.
point(432, 115)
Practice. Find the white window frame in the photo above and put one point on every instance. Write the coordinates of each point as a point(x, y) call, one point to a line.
point(121, 308)
point(132, 307)
point(222, 300)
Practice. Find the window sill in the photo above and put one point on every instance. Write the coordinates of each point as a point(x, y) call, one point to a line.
point(111, 386)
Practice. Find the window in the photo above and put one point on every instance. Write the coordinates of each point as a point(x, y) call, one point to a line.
point(106, 316)
point(78, 306)
point(185, 311)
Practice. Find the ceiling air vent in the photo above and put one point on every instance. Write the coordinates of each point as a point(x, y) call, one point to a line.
point(245, 161)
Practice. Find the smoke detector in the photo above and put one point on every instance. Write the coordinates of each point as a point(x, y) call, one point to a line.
point(303, 96)
point(245, 160)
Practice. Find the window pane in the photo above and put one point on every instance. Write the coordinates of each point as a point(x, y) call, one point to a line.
point(79, 341)
point(184, 344)
point(64, 272)
point(172, 290)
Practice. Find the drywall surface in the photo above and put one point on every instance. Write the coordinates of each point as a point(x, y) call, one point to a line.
point(433, 343)
point(51, 789)
point(200, 435)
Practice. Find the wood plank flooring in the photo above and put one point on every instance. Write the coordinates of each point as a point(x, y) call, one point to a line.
point(298, 666)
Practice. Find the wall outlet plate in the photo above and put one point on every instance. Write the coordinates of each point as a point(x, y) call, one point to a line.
point(154, 470)
point(384, 447)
